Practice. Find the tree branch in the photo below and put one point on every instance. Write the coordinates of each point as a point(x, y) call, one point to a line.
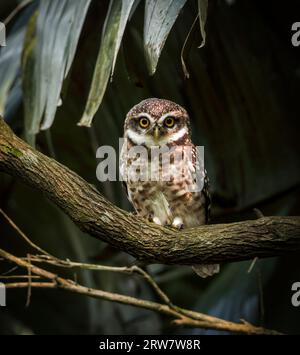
point(265, 237)
point(181, 316)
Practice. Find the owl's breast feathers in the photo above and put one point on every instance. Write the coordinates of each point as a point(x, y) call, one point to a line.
point(163, 200)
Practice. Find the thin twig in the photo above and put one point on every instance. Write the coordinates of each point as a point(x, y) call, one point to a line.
point(181, 316)
point(29, 282)
point(16, 10)
point(33, 284)
point(153, 284)
point(73, 264)
point(10, 270)
point(252, 264)
point(184, 68)
point(22, 234)
point(19, 277)
point(121, 269)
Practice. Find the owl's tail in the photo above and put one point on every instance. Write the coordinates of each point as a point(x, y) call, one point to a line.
point(206, 270)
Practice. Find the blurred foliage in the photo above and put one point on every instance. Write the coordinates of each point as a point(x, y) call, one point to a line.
point(242, 96)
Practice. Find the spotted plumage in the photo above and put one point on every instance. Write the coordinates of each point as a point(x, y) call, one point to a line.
point(165, 194)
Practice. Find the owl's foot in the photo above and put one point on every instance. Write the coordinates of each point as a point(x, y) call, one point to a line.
point(154, 219)
point(150, 217)
point(177, 223)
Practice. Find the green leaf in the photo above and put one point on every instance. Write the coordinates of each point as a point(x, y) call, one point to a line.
point(160, 16)
point(28, 63)
point(10, 64)
point(58, 29)
point(126, 12)
point(112, 33)
point(202, 10)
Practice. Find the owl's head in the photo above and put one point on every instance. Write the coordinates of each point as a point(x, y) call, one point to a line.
point(156, 122)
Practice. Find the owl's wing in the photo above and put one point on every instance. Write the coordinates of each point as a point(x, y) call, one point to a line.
point(197, 168)
point(207, 196)
point(124, 184)
point(125, 187)
point(122, 170)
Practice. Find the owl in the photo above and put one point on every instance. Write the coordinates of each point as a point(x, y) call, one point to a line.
point(164, 194)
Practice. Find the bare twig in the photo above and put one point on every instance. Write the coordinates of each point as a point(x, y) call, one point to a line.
point(16, 10)
point(33, 284)
point(121, 269)
point(184, 68)
point(22, 234)
point(180, 316)
point(10, 270)
point(252, 265)
point(29, 282)
point(153, 284)
point(73, 264)
point(19, 277)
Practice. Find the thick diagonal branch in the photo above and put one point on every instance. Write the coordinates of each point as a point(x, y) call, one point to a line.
point(265, 237)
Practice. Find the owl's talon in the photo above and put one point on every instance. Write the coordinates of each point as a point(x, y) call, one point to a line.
point(150, 217)
point(178, 223)
point(179, 227)
point(156, 220)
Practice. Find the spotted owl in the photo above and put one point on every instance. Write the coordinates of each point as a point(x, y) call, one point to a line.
point(170, 198)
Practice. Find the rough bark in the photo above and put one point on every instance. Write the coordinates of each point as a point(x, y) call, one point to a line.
point(264, 237)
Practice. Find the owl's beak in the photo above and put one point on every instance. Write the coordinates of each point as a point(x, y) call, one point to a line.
point(156, 134)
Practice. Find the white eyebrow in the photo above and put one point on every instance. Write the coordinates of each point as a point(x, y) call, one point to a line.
point(145, 114)
point(175, 136)
point(162, 118)
point(135, 137)
point(148, 140)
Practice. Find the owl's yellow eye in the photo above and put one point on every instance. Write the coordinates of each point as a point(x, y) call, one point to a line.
point(169, 122)
point(144, 122)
